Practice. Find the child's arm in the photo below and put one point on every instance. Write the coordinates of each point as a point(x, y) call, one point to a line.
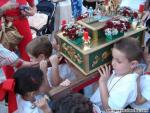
point(55, 78)
point(105, 74)
point(45, 85)
point(140, 99)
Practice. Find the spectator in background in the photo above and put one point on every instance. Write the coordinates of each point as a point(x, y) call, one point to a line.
point(18, 17)
point(126, 54)
point(143, 84)
point(133, 4)
point(146, 20)
point(8, 57)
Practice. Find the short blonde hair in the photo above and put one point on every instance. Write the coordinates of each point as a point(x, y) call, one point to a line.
point(39, 45)
point(131, 48)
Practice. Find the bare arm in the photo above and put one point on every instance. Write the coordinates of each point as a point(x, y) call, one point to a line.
point(45, 85)
point(140, 99)
point(55, 78)
point(105, 73)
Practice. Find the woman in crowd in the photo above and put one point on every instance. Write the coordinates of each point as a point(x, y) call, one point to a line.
point(18, 17)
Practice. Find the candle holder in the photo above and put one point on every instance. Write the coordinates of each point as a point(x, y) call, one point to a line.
point(86, 39)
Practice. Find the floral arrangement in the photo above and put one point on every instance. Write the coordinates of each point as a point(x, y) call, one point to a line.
point(127, 12)
point(73, 31)
point(116, 28)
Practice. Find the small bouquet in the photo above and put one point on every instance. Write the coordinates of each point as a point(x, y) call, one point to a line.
point(115, 28)
point(111, 33)
point(129, 13)
point(73, 31)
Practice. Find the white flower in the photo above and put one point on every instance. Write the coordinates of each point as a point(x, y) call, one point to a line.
point(114, 31)
point(108, 32)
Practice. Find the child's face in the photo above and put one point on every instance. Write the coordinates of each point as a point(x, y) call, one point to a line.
point(120, 63)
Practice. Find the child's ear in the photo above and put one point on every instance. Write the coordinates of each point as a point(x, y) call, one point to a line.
point(41, 57)
point(134, 64)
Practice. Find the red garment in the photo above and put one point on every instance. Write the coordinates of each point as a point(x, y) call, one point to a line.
point(7, 87)
point(23, 27)
point(147, 73)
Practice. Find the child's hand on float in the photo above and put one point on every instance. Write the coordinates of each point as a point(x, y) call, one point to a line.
point(43, 66)
point(54, 60)
point(105, 72)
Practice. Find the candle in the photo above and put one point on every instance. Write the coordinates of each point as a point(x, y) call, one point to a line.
point(141, 8)
point(86, 36)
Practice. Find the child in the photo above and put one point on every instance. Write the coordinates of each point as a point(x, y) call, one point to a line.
point(40, 49)
point(65, 67)
point(27, 84)
point(118, 89)
point(73, 103)
point(143, 97)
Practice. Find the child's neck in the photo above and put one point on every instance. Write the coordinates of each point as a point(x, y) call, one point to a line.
point(125, 73)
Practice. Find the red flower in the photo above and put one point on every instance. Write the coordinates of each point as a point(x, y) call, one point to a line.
point(135, 15)
point(118, 24)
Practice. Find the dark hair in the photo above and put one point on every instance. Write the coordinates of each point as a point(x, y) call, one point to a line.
point(89, 4)
point(147, 4)
point(131, 47)
point(73, 103)
point(39, 45)
point(28, 79)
